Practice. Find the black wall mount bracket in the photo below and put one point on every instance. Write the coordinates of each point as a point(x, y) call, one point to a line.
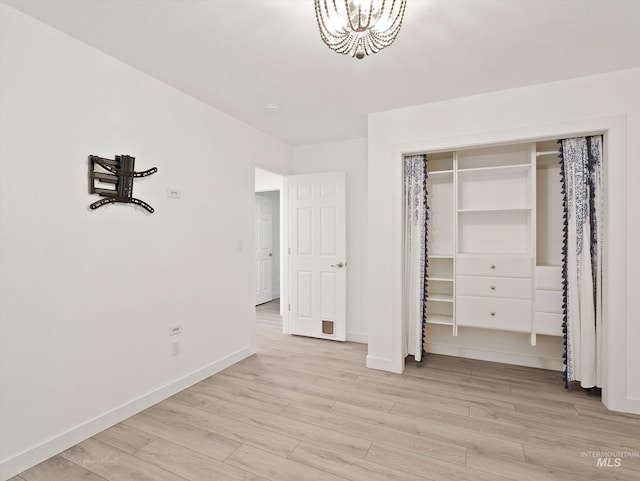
point(120, 174)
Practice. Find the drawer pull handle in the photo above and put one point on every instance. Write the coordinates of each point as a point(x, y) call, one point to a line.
point(493, 266)
point(493, 314)
point(493, 288)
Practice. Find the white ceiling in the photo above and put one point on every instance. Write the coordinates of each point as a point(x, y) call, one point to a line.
point(239, 55)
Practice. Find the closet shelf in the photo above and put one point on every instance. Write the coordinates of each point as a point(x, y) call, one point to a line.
point(439, 174)
point(440, 256)
point(439, 319)
point(495, 170)
point(493, 253)
point(440, 278)
point(440, 297)
point(480, 211)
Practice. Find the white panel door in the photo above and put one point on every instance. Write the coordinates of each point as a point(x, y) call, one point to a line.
point(317, 261)
point(263, 245)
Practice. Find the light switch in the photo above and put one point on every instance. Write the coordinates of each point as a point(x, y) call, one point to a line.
point(175, 329)
point(173, 193)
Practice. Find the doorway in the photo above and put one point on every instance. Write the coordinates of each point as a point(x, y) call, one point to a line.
point(268, 236)
point(267, 246)
point(315, 234)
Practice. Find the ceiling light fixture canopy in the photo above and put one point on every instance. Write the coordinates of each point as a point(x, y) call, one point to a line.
point(359, 27)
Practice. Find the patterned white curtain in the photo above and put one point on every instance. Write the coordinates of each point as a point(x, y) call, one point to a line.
point(415, 253)
point(582, 260)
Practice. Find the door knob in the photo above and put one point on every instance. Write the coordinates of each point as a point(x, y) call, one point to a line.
point(270, 254)
point(339, 264)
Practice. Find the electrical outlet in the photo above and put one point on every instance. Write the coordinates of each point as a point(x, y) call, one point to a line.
point(175, 347)
point(175, 329)
point(173, 193)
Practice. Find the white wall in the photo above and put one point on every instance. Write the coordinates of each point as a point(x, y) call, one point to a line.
point(350, 157)
point(86, 297)
point(609, 102)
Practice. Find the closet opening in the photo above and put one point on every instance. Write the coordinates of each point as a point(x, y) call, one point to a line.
point(493, 271)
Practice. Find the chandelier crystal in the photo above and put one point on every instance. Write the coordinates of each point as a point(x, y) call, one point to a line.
point(359, 27)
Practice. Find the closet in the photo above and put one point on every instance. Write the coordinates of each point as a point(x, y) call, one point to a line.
point(494, 239)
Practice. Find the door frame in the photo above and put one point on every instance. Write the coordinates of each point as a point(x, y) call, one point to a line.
point(614, 130)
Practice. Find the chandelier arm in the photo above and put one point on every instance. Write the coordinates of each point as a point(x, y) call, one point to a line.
point(360, 27)
point(382, 9)
point(340, 41)
point(393, 7)
point(348, 12)
point(397, 21)
point(327, 35)
point(388, 33)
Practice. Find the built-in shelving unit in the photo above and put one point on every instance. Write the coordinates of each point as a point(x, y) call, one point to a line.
point(547, 315)
point(494, 254)
point(494, 239)
point(441, 232)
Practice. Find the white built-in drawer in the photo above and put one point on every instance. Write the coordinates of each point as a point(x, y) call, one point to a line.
point(518, 288)
point(548, 277)
point(494, 265)
point(547, 323)
point(548, 301)
point(504, 314)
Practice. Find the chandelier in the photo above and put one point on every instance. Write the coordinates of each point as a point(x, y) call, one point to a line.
point(359, 27)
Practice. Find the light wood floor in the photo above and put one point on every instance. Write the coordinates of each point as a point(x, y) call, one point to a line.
point(308, 410)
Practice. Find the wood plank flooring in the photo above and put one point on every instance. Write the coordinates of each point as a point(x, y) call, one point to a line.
point(309, 410)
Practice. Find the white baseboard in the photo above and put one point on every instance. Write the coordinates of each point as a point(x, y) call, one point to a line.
point(632, 405)
point(628, 405)
point(384, 364)
point(16, 464)
point(554, 364)
point(357, 337)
